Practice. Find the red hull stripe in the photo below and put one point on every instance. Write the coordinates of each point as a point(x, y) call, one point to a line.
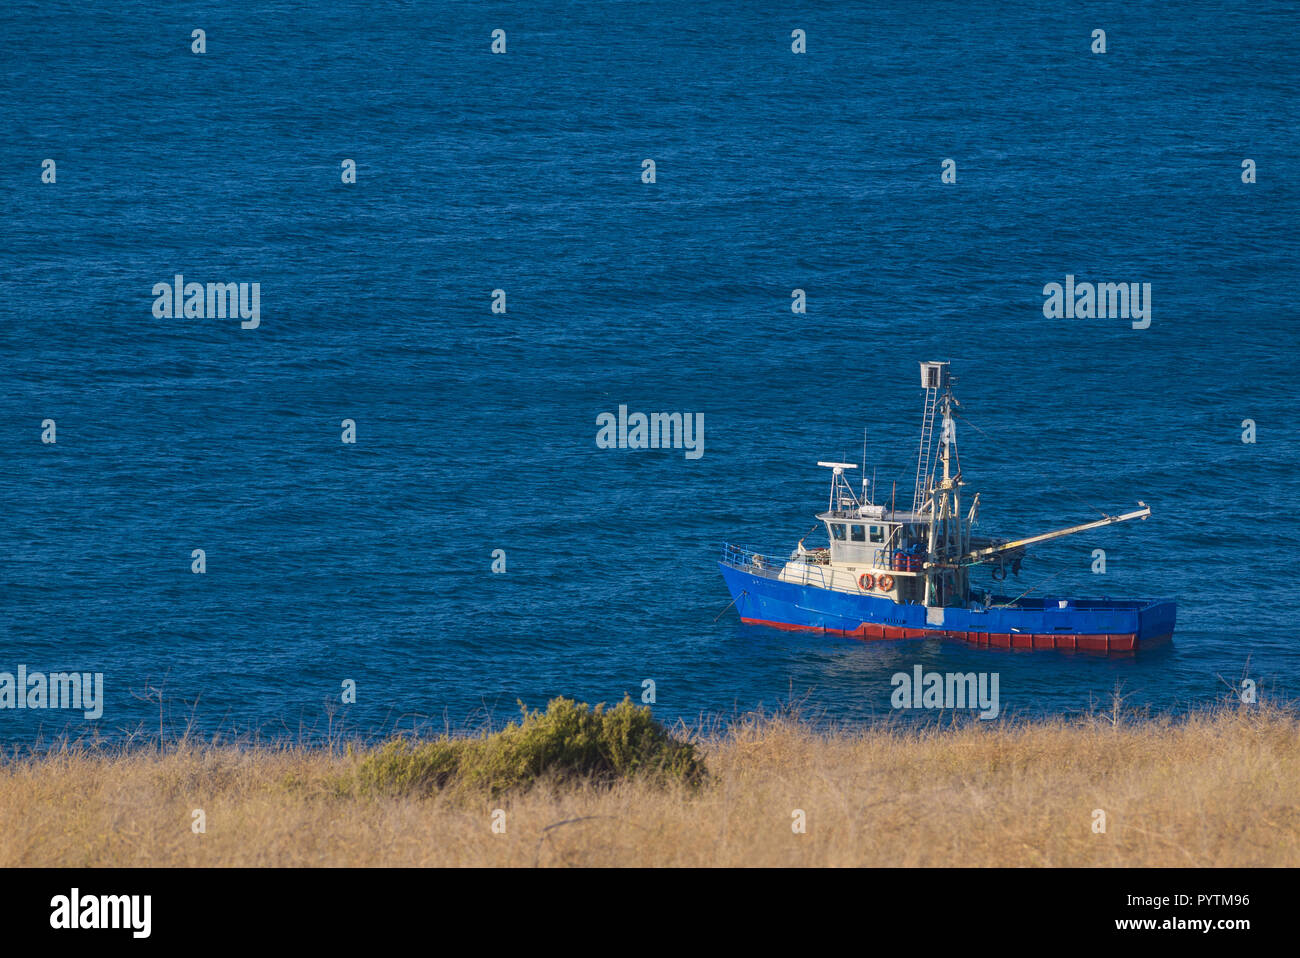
point(1104, 642)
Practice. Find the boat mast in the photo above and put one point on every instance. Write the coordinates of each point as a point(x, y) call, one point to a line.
point(940, 495)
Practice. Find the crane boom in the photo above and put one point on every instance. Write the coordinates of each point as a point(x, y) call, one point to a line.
point(980, 554)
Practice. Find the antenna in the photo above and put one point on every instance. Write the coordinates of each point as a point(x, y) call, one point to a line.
point(864, 462)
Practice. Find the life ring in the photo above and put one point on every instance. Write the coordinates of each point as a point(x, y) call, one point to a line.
point(886, 583)
point(866, 582)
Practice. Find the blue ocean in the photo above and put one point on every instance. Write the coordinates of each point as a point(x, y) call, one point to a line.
point(504, 269)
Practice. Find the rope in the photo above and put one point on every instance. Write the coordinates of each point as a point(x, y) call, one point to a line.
point(1043, 475)
point(743, 593)
point(1164, 517)
point(1031, 589)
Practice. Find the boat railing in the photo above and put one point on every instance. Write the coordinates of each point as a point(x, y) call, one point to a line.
point(810, 571)
point(753, 562)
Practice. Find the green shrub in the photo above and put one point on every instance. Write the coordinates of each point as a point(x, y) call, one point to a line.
point(570, 741)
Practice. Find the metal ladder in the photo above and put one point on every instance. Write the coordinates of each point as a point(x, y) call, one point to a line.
point(927, 441)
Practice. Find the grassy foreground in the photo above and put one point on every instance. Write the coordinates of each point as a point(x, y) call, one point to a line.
point(1216, 789)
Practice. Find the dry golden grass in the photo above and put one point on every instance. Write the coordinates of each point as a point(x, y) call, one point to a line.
point(1213, 790)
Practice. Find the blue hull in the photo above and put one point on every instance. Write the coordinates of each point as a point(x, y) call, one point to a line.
point(1100, 625)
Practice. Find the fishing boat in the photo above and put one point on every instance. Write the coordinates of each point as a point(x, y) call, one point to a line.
point(906, 573)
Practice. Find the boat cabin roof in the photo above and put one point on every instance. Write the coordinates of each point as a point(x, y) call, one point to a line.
point(873, 514)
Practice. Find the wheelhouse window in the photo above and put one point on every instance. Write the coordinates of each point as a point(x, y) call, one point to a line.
point(837, 530)
point(857, 533)
point(877, 533)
